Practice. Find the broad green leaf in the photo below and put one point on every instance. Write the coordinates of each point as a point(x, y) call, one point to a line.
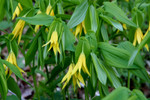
point(69, 39)
point(32, 50)
point(119, 93)
point(118, 13)
point(104, 32)
point(93, 78)
point(5, 24)
point(112, 22)
point(78, 15)
point(60, 8)
point(14, 69)
point(72, 1)
point(26, 3)
point(13, 86)
point(141, 73)
point(92, 40)
point(39, 19)
point(116, 57)
point(91, 19)
point(42, 5)
point(96, 98)
point(12, 97)
point(139, 94)
point(112, 77)
point(101, 74)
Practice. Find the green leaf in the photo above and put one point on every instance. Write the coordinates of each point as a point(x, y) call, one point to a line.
point(82, 44)
point(116, 57)
point(118, 13)
point(13, 86)
point(92, 40)
point(14, 69)
point(60, 8)
point(141, 73)
point(91, 19)
point(26, 3)
point(145, 41)
point(69, 39)
point(3, 83)
point(40, 53)
point(117, 94)
point(12, 97)
point(104, 32)
point(5, 24)
point(112, 22)
point(2, 9)
point(101, 74)
point(39, 19)
point(78, 15)
point(14, 46)
point(139, 94)
point(42, 5)
point(32, 50)
point(112, 77)
point(93, 78)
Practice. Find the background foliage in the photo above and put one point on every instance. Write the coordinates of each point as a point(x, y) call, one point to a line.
point(108, 37)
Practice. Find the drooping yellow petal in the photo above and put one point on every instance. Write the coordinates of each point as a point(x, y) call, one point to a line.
point(48, 10)
point(12, 59)
point(18, 30)
point(139, 35)
point(54, 43)
point(67, 77)
point(80, 78)
point(83, 25)
point(78, 30)
point(17, 11)
point(124, 26)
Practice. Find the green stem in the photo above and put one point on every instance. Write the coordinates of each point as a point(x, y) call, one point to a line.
point(64, 95)
point(100, 90)
point(34, 81)
point(86, 93)
point(68, 94)
point(128, 79)
point(47, 73)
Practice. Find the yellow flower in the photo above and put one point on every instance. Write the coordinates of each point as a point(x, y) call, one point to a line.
point(79, 29)
point(17, 11)
point(124, 26)
point(48, 10)
point(12, 59)
point(127, 0)
point(76, 77)
point(18, 30)
point(81, 64)
point(54, 42)
point(139, 37)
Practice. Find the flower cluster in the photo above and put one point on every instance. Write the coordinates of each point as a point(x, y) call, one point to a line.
point(75, 72)
point(12, 59)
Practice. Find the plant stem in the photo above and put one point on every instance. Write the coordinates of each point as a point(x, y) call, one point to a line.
point(100, 90)
point(47, 73)
point(86, 93)
point(128, 79)
point(34, 81)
